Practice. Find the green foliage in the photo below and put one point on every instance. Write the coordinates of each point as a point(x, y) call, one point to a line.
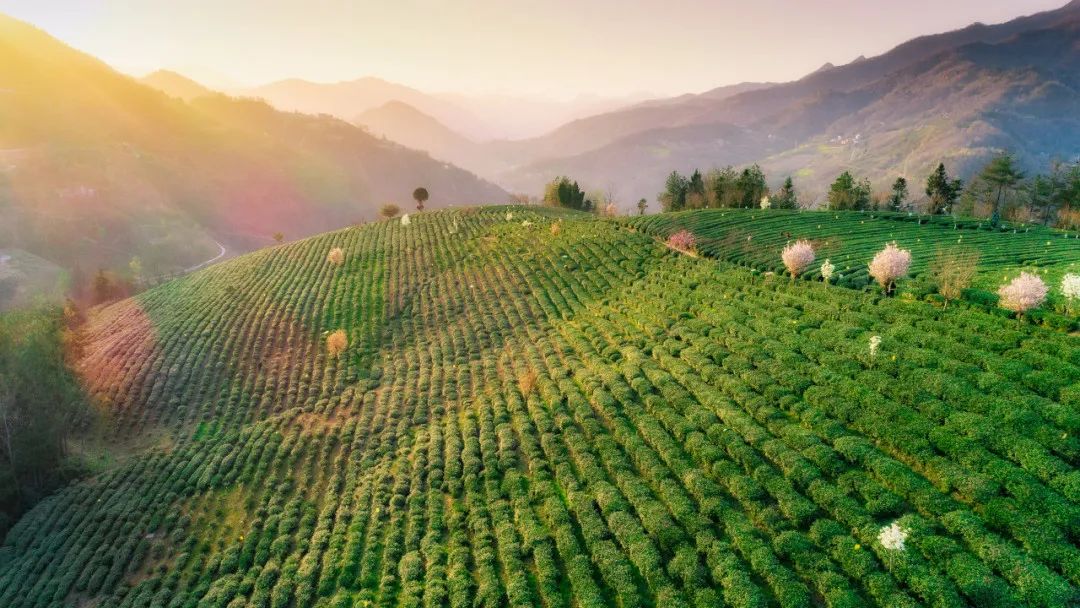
point(847, 194)
point(567, 194)
point(942, 190)
point(41, 405)
point(689, 434)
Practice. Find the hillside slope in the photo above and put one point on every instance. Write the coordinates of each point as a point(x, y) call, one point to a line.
point(575, 417)
point(956, 97)
point(96, 168)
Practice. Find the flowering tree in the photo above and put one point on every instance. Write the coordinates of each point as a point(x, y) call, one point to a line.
point(892, 537)
point(827, 270)
point(336, 343)
point(1070, 288)
point(1023, 293)
point(683, 240)
point(336, 256)
point(797, 257)
point(765, 202)
point(405, 221)
point(890, 265)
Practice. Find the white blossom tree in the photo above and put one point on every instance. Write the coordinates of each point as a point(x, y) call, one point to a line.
point(889, 266)
point(797, 257)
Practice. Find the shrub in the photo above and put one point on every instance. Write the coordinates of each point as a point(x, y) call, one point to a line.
point(336, 256)
point(890, 265)
point(683, 240)
point(1070, 289)
point(1023, 293)
point(336, 343)
point(389, 210)
point(827, 270)
point(527, 382)
point(797, 257)
point(952, 272)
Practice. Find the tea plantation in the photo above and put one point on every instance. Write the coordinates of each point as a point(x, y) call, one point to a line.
point(544, 409)
point(849, 239)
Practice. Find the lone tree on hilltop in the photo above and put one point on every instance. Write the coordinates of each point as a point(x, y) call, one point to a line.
point(420, 195)
point(278, 237)
point(641, 205)
point(942, 190)
point(389, 210)
point(1002, 175)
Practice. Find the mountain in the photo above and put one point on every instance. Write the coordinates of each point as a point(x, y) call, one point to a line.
point(404, 124)
point(97, 168)
point(955, 97)
point(348, 99)
point(176, 85)
point(477, 409)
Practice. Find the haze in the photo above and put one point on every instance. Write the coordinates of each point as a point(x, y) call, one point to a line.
point(557, 49)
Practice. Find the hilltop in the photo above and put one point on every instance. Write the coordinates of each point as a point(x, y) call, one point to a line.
point(523, 414)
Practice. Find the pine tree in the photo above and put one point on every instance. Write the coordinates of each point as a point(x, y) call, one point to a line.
point(942, 191)
point(898, 198)
point(1002, 175)
point(786, 198)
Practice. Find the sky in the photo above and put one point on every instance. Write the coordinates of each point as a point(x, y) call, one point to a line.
point(549, 48)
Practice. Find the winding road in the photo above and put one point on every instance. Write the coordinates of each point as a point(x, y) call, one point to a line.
point(220, 255)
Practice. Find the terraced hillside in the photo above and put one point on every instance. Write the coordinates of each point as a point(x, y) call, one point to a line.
point(560, 417)
point(754, 238)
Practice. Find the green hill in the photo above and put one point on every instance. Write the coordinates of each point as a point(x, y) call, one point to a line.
point(849, 239)
point(531, 416)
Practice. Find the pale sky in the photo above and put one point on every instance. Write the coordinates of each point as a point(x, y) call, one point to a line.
point(557, 48)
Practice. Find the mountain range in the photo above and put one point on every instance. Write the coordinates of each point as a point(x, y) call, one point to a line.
point(958, 97)
point(97, 168)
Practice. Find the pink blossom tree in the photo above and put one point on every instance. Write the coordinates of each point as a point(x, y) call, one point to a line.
point(797, 257)
point(1023, 293)
point(683, 240)
point(890, 265)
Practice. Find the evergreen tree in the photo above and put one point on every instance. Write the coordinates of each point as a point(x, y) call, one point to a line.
point(695, 191)
point(751, 186)
point(641, 205)
point(565, 193)
point(847, 194)
point(942, 190)
point(676, 188)
point(1002, 175)
point(898, 198)
point(786, 198)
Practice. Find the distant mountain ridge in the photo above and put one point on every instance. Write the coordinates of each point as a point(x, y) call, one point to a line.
point(110, 169)
point(956, 97)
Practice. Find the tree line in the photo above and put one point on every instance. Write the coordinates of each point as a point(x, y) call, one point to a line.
point(1001, 190)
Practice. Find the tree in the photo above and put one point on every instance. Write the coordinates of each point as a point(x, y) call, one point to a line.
point(785, 198)
point(953, 271)
point(695, 191)
point(420, 195)
point(890, 265)
point(336, 343)
point(797, 257)
point(1023, 293)
point(641, 206)
point(676, 188)
point(1002, 175)
point(562, 192)
point(278, 237)
point(41, 406)
point(898, 198)
point(389, 210)
point(721, 189)
point(846, 194)
point(751, 186)
point(942, 191)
